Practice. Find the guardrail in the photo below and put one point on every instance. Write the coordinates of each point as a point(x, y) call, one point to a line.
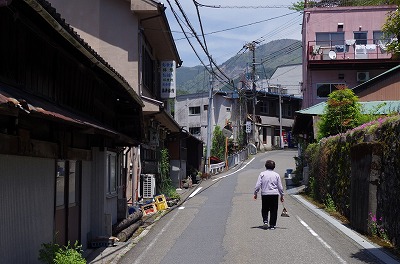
point(233, 160)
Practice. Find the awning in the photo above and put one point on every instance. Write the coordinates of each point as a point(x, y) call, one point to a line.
point(274, 121)
point(15, 102)
point(167, 121)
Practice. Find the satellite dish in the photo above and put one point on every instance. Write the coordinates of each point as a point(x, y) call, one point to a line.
point(332, 55)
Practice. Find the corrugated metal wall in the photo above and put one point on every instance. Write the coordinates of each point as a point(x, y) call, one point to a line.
point(26, 207)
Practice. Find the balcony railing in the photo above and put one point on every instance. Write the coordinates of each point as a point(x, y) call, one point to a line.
point(339, 3)
point(371, 49)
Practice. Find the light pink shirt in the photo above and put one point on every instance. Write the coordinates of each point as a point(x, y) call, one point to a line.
point(269, 182)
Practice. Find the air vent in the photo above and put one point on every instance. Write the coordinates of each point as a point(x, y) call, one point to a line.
point(362, 76)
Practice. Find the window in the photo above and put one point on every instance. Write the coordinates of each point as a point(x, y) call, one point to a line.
point(264, 107)
point(68, 175)
point(380, 39)
point(194, 110)
point(377, 35)
point(205, 107)
point(287, 110)
point(360, 37)
point(72, 191)
point(60, 183)
point(111, 173)
point(330, 38)
point(324, 89)
point(194, 130)
point(148, 71)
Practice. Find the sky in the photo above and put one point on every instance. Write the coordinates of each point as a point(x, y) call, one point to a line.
point(229, 27)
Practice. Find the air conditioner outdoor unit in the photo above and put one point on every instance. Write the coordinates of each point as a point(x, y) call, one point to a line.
point(362, 76)
point(149, 185)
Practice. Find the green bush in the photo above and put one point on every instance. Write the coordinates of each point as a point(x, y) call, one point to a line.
point(52, 253)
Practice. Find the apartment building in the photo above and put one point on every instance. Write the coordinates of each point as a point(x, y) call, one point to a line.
point(342, 45)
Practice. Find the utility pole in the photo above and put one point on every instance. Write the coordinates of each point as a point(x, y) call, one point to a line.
point(210, 107)
point(252, 47)
point(253, 82)
point(280, 119)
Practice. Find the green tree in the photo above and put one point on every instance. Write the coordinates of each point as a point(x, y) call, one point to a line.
point(391, 28)
point(218, 144)
point(342, 112)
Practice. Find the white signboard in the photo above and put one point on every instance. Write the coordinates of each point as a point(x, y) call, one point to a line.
point(168, 84)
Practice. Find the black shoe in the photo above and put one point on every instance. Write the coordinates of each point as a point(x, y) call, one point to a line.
point(265, 226)
point(272, 227)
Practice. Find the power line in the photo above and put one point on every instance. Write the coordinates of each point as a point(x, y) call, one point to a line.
point(249, 7)
point(200, 43)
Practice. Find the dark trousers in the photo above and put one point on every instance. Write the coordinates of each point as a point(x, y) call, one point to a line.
point(269, 205)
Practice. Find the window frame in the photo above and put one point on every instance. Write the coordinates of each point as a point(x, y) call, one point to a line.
point(332, 41)
point(318, 85)
point(361, 41)
point(195, 130)
point(287, 110)
point(112, 173)
point(194, 110)
point(264, 107)
point(68, 172)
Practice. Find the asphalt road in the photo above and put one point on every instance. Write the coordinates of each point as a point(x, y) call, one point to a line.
point(222, 224)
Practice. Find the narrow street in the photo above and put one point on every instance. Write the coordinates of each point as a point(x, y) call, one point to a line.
point(222, 223)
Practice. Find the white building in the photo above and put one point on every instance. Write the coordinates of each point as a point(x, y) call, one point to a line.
point(191, 112)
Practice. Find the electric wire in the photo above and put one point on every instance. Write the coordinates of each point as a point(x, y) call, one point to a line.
point(200, 43)
point(246, 25)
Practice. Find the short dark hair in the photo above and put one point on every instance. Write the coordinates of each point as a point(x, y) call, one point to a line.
point(270, 164)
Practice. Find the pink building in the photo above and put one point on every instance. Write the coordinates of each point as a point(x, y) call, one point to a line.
point(342, 45)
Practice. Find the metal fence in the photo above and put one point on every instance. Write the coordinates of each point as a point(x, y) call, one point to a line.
point(233, 160)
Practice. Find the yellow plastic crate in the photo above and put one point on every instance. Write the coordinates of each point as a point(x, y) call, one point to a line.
point(161, 202)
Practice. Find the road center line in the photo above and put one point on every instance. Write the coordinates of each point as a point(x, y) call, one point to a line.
point(326, 245)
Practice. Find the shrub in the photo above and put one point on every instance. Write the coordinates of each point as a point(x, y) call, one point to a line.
point(52, 253)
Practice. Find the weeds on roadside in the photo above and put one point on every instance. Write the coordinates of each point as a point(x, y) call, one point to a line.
point(376, 228)
point(329, 204)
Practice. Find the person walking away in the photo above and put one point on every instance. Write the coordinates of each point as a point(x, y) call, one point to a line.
point(270, 184)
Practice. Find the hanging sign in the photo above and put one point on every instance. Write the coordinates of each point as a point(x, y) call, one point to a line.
point(248, 127)
point(168, 84)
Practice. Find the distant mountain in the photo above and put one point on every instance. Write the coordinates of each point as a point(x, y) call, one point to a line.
point(268, 57)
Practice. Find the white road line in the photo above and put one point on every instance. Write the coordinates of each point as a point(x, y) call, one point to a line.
point(326, 245)
point(151, 245)
point(376, 251)
point(195, 192)
point(216, 179)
